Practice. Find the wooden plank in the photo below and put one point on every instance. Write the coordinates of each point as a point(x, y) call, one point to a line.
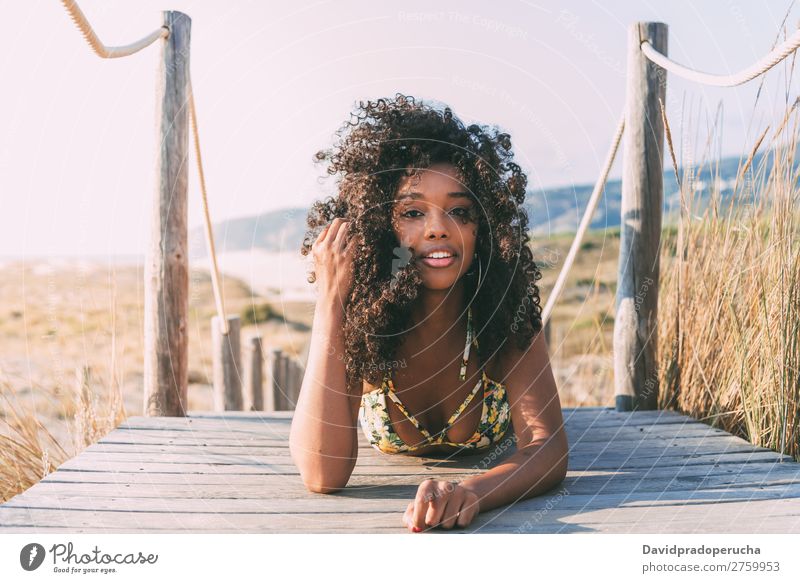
point(639, 514)
point(686, 444)
point(693, 471)
point(390, 487)
point(135, 435)
point(773, 525)
point(357, 505)
point(281, 455)
point(356, 481)
point(258, 421)
point(575, 462)
point(267, 428)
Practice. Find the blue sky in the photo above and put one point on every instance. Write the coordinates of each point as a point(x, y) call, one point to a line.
point(274, 81)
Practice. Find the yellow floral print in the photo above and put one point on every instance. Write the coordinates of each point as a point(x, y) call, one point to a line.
point(375, 422)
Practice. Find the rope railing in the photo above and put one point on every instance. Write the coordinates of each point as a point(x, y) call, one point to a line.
point(101, 50)
point(763, 65)
point(591, 205)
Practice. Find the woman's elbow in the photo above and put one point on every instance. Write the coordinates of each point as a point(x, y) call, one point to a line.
point(319, 489)
point(560, 469)
point(324, 486)
point(315, 478)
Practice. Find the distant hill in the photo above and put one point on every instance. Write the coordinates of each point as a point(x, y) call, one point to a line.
point(551, 210)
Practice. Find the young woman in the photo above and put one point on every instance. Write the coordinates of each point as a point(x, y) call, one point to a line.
point(427, 328)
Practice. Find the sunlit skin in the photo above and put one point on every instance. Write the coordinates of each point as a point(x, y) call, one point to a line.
point(432, 209)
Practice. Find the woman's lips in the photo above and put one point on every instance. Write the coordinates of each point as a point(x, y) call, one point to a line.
point(439, 262)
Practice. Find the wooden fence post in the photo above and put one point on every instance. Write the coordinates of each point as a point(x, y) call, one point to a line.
point(635, 323)
point(166, 269)
point(226, 364)
point(295, 378)
point(282, 394)
point(271, 401)
point(253, 386)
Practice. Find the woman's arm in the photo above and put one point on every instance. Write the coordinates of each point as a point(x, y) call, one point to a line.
point(540, 462)
point(323, 440)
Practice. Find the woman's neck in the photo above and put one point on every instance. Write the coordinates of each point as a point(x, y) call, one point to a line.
point(435, 313)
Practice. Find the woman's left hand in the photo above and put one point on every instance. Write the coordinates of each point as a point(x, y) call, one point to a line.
point(441, 503)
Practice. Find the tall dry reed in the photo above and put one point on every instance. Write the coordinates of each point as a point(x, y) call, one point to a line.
point(729, 300)
point(28, 449)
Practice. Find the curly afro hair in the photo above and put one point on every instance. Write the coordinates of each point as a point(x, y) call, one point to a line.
point(384, 141)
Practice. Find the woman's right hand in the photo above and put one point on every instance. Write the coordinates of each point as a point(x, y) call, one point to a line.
point(333, 262)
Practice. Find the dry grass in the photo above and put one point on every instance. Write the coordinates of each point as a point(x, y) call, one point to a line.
point(582, 323)
point(729, 308)
point(28, 451)
point(71, 344)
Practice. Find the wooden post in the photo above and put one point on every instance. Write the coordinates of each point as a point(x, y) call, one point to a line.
point(253, 386)
point(271, 400)
point(166, 270)
point(635, 323)
point(281, 393)
point(295, 379)
point(226, 365)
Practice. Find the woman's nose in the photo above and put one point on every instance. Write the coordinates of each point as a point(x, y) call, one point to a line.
point(438, 224)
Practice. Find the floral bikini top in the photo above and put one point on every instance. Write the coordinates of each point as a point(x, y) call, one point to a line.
point(377, 426)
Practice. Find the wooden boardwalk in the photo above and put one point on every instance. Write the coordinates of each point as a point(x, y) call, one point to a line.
point(231, 472)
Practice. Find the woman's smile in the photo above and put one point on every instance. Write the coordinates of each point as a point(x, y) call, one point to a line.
point(439, 257)
point(438, 262)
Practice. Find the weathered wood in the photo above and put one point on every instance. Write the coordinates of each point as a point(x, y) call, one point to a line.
point(226, 365)
point(344, 505)
point(652, 480)
point(269, 383)
point(286, 467)
point(275, 485)
point(132, 444)
point(285, 379)
point(293, 383)
point(392, 486)
point(635, 320)
point(277, 380)
point(773, 515)
point(253, 392)
point(274, 454)
point(166, 270)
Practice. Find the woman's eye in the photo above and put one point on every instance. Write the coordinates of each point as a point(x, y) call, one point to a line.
point(458, 211)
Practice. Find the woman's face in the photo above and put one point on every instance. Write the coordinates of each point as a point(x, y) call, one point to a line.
point(432, 212)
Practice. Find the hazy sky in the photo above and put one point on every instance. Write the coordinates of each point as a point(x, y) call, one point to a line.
point(273, 81)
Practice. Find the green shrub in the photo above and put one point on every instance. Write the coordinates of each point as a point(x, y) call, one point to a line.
point(256, 313)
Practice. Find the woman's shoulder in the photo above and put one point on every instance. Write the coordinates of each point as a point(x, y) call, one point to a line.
point(502, 362)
